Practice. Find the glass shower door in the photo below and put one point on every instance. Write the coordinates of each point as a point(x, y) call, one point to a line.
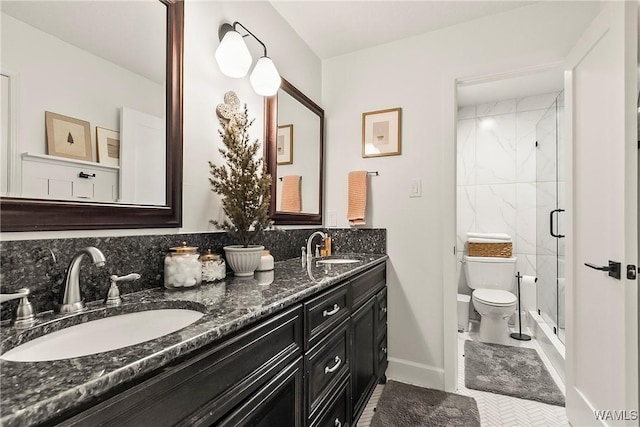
point(549, 217)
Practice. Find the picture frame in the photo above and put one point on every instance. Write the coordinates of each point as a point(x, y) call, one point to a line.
point(68, 137)
point(382, 133)
point(108, 144)
point(284, 145)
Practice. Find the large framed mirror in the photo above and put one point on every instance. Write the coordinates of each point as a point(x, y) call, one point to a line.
point(294, 131)
point(112, 128)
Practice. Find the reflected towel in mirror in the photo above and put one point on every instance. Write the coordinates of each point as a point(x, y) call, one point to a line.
point(291, 199)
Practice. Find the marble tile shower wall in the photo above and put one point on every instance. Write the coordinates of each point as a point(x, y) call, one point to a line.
point(496, 181)
point(40, 264)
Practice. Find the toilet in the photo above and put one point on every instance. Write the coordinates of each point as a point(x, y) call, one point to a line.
point(492, 280)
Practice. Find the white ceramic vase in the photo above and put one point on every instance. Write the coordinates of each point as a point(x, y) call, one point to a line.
point(243, 261)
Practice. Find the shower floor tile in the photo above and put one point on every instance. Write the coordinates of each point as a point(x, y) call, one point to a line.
point(496, 409)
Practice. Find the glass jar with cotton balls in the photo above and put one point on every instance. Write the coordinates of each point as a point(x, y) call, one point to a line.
point(182, 267)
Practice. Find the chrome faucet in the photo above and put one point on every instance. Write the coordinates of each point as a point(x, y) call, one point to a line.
point(72, 301)
point(310, 240)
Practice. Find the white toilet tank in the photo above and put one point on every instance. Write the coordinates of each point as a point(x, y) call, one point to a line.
point(489, 272)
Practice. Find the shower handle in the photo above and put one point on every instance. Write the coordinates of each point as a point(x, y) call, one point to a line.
point(551, 227)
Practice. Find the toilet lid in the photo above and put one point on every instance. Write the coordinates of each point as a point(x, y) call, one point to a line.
point(495, 297)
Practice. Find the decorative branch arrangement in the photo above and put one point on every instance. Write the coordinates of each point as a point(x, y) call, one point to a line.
point(242, 181)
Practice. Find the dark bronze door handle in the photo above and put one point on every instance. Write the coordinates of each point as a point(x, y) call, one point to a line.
point(613, 268)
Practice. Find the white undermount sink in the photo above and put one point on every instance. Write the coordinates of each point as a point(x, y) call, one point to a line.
point(338, 261)
point(102, 335)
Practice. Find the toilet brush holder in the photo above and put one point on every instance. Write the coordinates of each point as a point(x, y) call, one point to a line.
point(519, 335)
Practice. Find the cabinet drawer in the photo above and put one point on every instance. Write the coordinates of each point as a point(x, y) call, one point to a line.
point(208, 384)
point(324, 312)
point(367, 284)
point(325, 365)
point(382, 308)
point(338, 412)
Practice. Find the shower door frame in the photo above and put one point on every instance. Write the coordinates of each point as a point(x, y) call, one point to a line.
point(553, 216)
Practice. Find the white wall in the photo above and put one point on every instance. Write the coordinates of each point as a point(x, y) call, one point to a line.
point(415, 74)
point(204, 88)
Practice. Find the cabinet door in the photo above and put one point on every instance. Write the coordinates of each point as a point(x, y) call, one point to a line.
point(278, 403)
point(363, 373)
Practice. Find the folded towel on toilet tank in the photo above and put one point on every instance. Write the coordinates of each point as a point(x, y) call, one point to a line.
point(477, 240)
point(493, 236)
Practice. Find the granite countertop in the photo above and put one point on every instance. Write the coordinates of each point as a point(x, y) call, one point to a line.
point(35, 392)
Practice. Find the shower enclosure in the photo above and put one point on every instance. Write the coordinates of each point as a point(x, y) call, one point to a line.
point(550, 197)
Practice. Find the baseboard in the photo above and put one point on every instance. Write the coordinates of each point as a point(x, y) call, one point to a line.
point(419, 374)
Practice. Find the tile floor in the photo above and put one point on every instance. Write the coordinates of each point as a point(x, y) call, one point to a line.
point(496, 409)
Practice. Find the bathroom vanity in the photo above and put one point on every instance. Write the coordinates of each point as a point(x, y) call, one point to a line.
point(306, 349)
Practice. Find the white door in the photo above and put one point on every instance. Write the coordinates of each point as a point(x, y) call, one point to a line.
point(142, 158)
point(602, 311)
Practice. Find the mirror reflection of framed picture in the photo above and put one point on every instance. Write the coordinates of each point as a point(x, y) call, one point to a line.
point(108, 146)
point(381, 133)
point(68, 137)
point(284, 145)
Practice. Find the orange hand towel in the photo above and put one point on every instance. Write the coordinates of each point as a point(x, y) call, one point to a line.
point(291, 199)
point(357, 197)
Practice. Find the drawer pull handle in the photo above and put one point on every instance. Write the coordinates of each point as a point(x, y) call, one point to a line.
point(86, 175)
point(337, 423)
point(328, 370)
point(383, 309)
point(384, 350)
point(326, 313)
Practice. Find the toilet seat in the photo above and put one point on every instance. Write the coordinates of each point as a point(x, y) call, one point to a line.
point(494, 297)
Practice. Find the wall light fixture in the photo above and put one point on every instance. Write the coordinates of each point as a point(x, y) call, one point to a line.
point(234, 60)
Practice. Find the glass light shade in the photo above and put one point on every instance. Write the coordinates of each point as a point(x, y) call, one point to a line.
point(265, 78)
point(233, 56)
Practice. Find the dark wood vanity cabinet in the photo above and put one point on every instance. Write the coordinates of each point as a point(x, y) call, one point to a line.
point(314, 364)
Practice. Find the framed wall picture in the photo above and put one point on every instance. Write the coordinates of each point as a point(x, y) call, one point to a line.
point(382, 133)
point(108, 142)
point(284, 145)
point(68, 137)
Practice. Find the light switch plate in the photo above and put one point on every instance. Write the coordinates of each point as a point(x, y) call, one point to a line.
point(332, 219)
point(415, 188)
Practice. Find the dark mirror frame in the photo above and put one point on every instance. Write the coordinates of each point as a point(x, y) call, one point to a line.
point(271, 136)
point(17, 214)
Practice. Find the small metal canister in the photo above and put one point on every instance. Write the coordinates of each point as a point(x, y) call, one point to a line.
point(213, 267)
point(182, 267)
